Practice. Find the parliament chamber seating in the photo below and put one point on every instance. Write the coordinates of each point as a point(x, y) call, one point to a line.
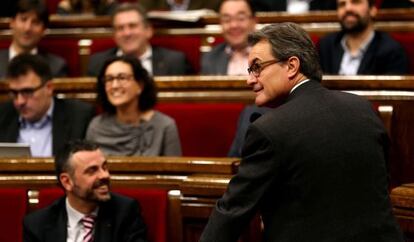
point(13, 205)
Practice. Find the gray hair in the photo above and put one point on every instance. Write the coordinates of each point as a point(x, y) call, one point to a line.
point(287, 40)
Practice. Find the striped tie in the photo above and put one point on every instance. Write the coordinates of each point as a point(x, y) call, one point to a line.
point(88, 221)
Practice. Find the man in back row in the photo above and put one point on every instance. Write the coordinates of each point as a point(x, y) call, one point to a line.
point(132, 33)
point(28, 26)
point(358, 49)
point(34, 116)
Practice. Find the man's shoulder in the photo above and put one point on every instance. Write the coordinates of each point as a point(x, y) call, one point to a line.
point(47, 214)
point(386, 41)
point(331, 38)
point(7, 108)
point(72, 104)
point(167, 52)
point(104, 54)
point(217, 50)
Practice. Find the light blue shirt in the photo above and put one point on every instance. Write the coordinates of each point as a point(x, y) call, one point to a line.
point(38, 134)
point(350, 63)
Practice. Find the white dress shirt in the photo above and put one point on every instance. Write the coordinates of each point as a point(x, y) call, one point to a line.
point(75, 228)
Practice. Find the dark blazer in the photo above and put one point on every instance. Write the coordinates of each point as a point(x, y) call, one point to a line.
point(57, 65)
point(69, 122)
point(281, 5)
point(248, 115)
point(165, 62)
point(215, 62)
point(118, 220)
point(384, 56)
point(315, 169)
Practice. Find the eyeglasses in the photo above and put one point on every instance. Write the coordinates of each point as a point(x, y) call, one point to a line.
point(256, 67)
point(25, 92)
point(122, 78)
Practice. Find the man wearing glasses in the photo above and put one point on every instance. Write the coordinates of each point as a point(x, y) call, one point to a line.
point(314, 166)
point(34, 116)
point(237, 20)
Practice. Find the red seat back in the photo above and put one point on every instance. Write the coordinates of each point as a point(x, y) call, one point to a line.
point(407, 41)
point(13, 203)
point(153, 204)
point(205, 129)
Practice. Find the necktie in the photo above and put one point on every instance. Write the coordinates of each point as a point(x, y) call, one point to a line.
point(88, 221)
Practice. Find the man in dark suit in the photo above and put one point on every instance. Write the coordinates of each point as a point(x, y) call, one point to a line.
point(237, 20)
point(33, 115)
point(89, 211)
point(28, 26)
point(314, 167)
point(132, 32)
point(358, 48)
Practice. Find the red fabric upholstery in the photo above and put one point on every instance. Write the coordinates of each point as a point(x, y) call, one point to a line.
point(154, 210)
point(406, 39)
point(67, 48)
point(13, 203)
point(52, 5)
point(153, 204)
point(206, 129)
point(102, 44)
point(189, 44)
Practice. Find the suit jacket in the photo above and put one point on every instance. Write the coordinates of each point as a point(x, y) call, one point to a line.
point(248, 115)
point(69, 122)
point(165, 62)
point(216, 61)
point(315, 169)
point(118, 220)
point(58, 66)
point(271, 5)
point(384, 56)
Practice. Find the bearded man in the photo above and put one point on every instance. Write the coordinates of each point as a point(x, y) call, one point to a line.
point(358, 49)
point(89, 211)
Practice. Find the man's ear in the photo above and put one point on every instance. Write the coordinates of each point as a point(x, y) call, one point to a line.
point(293, 64)
point(49, 87)
point(66, 181)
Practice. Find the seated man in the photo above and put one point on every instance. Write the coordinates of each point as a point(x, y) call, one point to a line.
point(132, 32)
point(28, 26)
point(358, 48)
point(237, 20)
point(34, 116)
point(89, 211)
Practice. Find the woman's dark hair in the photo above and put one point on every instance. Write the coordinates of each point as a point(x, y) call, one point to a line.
point(148, 96)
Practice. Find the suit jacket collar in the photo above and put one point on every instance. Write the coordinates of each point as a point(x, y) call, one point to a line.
point(104, 223)
point(304, 88)
point(56, 228)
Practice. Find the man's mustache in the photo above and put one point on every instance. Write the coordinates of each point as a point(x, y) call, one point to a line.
point(350, 14)
point(101, 182)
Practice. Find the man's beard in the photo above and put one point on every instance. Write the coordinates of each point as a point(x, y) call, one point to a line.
point(360, 25)
point(90, 195)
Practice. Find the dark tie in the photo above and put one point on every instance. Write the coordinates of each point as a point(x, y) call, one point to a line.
point(88, 221)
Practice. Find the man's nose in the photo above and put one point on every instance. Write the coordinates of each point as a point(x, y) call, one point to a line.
point(19, 99)
point(251, 80)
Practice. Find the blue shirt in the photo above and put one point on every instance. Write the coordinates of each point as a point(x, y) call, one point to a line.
point(38, 134)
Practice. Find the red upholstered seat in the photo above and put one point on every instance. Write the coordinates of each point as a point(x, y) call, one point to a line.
point(153, 204)
point(406, 39)
point(205, 129)
point(13, 204)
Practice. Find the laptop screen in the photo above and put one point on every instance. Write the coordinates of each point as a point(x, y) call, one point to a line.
point(14, 150)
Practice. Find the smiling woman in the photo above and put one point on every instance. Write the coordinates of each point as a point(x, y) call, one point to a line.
point(129, 124)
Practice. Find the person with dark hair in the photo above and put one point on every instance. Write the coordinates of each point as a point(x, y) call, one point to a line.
point(358, 49)
point(132, 33)
point(179, 5)
point(129, 124)
point(89, 211)
point(34, 116)
point(28, 26)
point(314, 166)
point(237, 20)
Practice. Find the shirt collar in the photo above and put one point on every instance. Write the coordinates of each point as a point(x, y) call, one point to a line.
point(176, 7)
point(230, 51)
point(364, 46)
point(13, 53)
point(147, 54)
point(74, 217)
point(43, 121)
